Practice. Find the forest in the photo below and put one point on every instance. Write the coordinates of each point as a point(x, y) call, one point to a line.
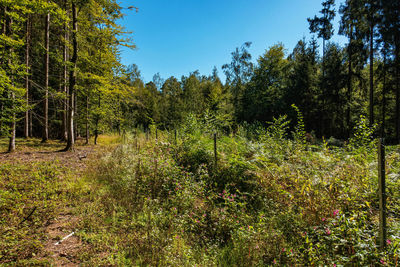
point(275, 165)
point(58, 77)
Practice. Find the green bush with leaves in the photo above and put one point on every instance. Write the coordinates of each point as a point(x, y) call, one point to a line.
point(363, 135)
point(265, 202)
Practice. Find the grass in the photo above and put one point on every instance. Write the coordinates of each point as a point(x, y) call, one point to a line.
point(145, 202)
point(31, 195)
point(267, 202)
point(37, 183)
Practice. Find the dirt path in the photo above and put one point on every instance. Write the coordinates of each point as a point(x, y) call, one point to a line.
point(62, 246)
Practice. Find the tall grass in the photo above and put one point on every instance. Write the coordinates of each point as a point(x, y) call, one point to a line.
point(269, 200)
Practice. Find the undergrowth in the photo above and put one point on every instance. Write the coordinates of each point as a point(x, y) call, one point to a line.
point(30, 196)
point(266, 200)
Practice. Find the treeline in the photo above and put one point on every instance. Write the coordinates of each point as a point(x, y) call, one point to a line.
point(332, 90)
point(59, 68)
point(61, 76)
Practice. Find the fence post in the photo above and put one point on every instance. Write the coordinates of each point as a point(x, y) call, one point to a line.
point(156, 134)
point(175, 136)
point(382, 193)
point(215, 149)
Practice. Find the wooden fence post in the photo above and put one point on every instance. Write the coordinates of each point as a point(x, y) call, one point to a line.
point(382, 193)
point(215, 149)
point(175, 136)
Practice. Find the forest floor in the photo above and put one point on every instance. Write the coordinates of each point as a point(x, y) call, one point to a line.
point(39, 194)
point(141, 201)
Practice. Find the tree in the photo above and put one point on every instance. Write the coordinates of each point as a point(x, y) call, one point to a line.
point(303, 88)
point(323, 25)
point(45, 135)
point(264, 95)
point(27, 63)
point(238, 73)
point(171, 105)
point(72, 81)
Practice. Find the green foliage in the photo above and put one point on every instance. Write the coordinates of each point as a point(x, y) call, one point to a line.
point(265, 202)
point(278, 129)
point(299, 133)
point(34, 189)
point(363, 134)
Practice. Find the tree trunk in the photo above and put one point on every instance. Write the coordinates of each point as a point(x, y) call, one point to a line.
point(349, 86)
point(65, 102)
point(96, 132)
point(11, 145)
point(3, 31)
point(72, 81)
point(397, 63)
point(45, 136)
point(384, 95)
point(76, 130)
point(371, 75)
point(323, 57)
point(27, 47)
point(30, 119)
point(87, 118)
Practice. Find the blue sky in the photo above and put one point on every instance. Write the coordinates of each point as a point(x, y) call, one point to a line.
point(176, 37)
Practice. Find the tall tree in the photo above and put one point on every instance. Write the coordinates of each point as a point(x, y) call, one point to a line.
point(45, 135)
point(264, 95)
point(72, 81)
point(27, 62)
point(303, 83)
point(372, 17)
point(238, 73)
point(323, 25)
point(11, 146)
point(390, 34)
point(65, 78)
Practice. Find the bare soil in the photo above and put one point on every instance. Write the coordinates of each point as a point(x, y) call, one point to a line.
point(62, 252)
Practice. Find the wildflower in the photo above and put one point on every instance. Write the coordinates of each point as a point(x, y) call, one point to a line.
point(323, 219)
point(328, 232)
point(382, 261)
point(274, 261)
point(334, 265)
point(336, 212)
point(388, 242)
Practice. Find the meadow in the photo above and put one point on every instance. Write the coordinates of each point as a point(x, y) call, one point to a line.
point(265, 199)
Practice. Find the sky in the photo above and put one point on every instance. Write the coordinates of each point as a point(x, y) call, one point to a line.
point(176, 37)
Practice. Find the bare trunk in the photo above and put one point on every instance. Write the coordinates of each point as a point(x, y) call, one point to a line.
point(384, 96)
point(27, 47)
point(65, 90)
point(96, 132)
point(3, 31)
point(87, 118)
point(30, 119)
point(349, 86)
point(72, 81)
point(76, 130)
point(371, 75)
point(397, 93)
point(11, 145)
point(45, 136)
